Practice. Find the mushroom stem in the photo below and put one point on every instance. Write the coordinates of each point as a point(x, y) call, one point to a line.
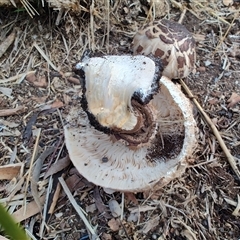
point(144, 129)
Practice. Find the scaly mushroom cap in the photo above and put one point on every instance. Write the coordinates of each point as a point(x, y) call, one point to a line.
point(171, 42)
point(131, 130)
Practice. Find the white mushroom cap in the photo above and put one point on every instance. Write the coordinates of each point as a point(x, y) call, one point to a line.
point(111, 162)
point(171, 42)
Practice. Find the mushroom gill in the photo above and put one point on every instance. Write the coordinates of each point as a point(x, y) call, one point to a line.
point(132, 128)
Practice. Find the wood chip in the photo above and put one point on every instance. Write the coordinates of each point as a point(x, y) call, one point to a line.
point(37, 81)
point(233, 100)
point(58, 166)
point(31, 209)
point(99, 203)
point(73, 80)
point(105, 236)
point(8, 172)
point(12, 111)
point(114, 224)
point(152, 223)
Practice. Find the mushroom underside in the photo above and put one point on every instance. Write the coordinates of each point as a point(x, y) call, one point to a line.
point(110, 161)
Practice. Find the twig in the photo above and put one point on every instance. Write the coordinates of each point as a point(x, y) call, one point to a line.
point(182, 15)
point(77, 208)
point(45, 56)
point(226, 33)
point(31, 162)
point(214, 129)
point(12, 111)
point(16, 77)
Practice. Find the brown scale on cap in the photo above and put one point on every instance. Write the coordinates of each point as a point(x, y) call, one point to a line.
point(171, 42)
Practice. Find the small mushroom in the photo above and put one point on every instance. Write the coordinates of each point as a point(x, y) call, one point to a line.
point(171, 42)
point(140, 123)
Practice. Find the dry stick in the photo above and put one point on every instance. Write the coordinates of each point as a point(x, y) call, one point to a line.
point(223, 38)
point(45, 56)
point(77, 208)
point(182, 15)
point(31, 165)
point(214, 129)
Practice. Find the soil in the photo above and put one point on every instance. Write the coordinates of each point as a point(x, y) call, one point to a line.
point(202, 204)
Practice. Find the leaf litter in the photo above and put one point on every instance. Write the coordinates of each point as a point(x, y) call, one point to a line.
point(202, 204)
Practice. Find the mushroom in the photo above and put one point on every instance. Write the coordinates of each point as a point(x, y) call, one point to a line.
point(171, 42)
point(132, 128)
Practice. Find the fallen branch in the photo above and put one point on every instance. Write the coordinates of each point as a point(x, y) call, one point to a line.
point(222, 144)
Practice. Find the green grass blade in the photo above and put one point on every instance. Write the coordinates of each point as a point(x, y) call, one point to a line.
point(10, 227)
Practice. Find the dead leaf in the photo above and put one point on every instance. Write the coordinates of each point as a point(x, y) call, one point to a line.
point(130, 197)
point(91, 208)
point(28, 129)
point(53, 104)
point(8, 132)
point(57, 104)
point(40, 100)
point(99, 203)
point(58, 166)
point(73, 80)
point(39, 81)
point(114, 224)
point(55, 199)
point(8, 123)
point(105, 236)
point(28, 211)
point(12, 111)
point(133, 217)
point(74, 182)
point(233, 100)
point(213, 101)
point(36, 173)
point(6, 91)
point(7, 42)
point(152, 223)
point(8, 172)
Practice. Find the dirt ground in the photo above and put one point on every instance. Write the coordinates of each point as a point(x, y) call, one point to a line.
point(35, 75)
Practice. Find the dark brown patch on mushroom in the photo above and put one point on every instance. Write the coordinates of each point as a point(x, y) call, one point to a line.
point(192, 58)
point(165, 61)
point(181, 62)
point(165, 39)
point(163, 28)
point(139, 49)
point(165, 147)
point(155, 30)
point(176, 30)
point(185, 45)
point(149, 34)
point(159, 53)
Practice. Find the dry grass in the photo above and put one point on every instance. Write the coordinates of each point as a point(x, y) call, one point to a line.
point(36, 82)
